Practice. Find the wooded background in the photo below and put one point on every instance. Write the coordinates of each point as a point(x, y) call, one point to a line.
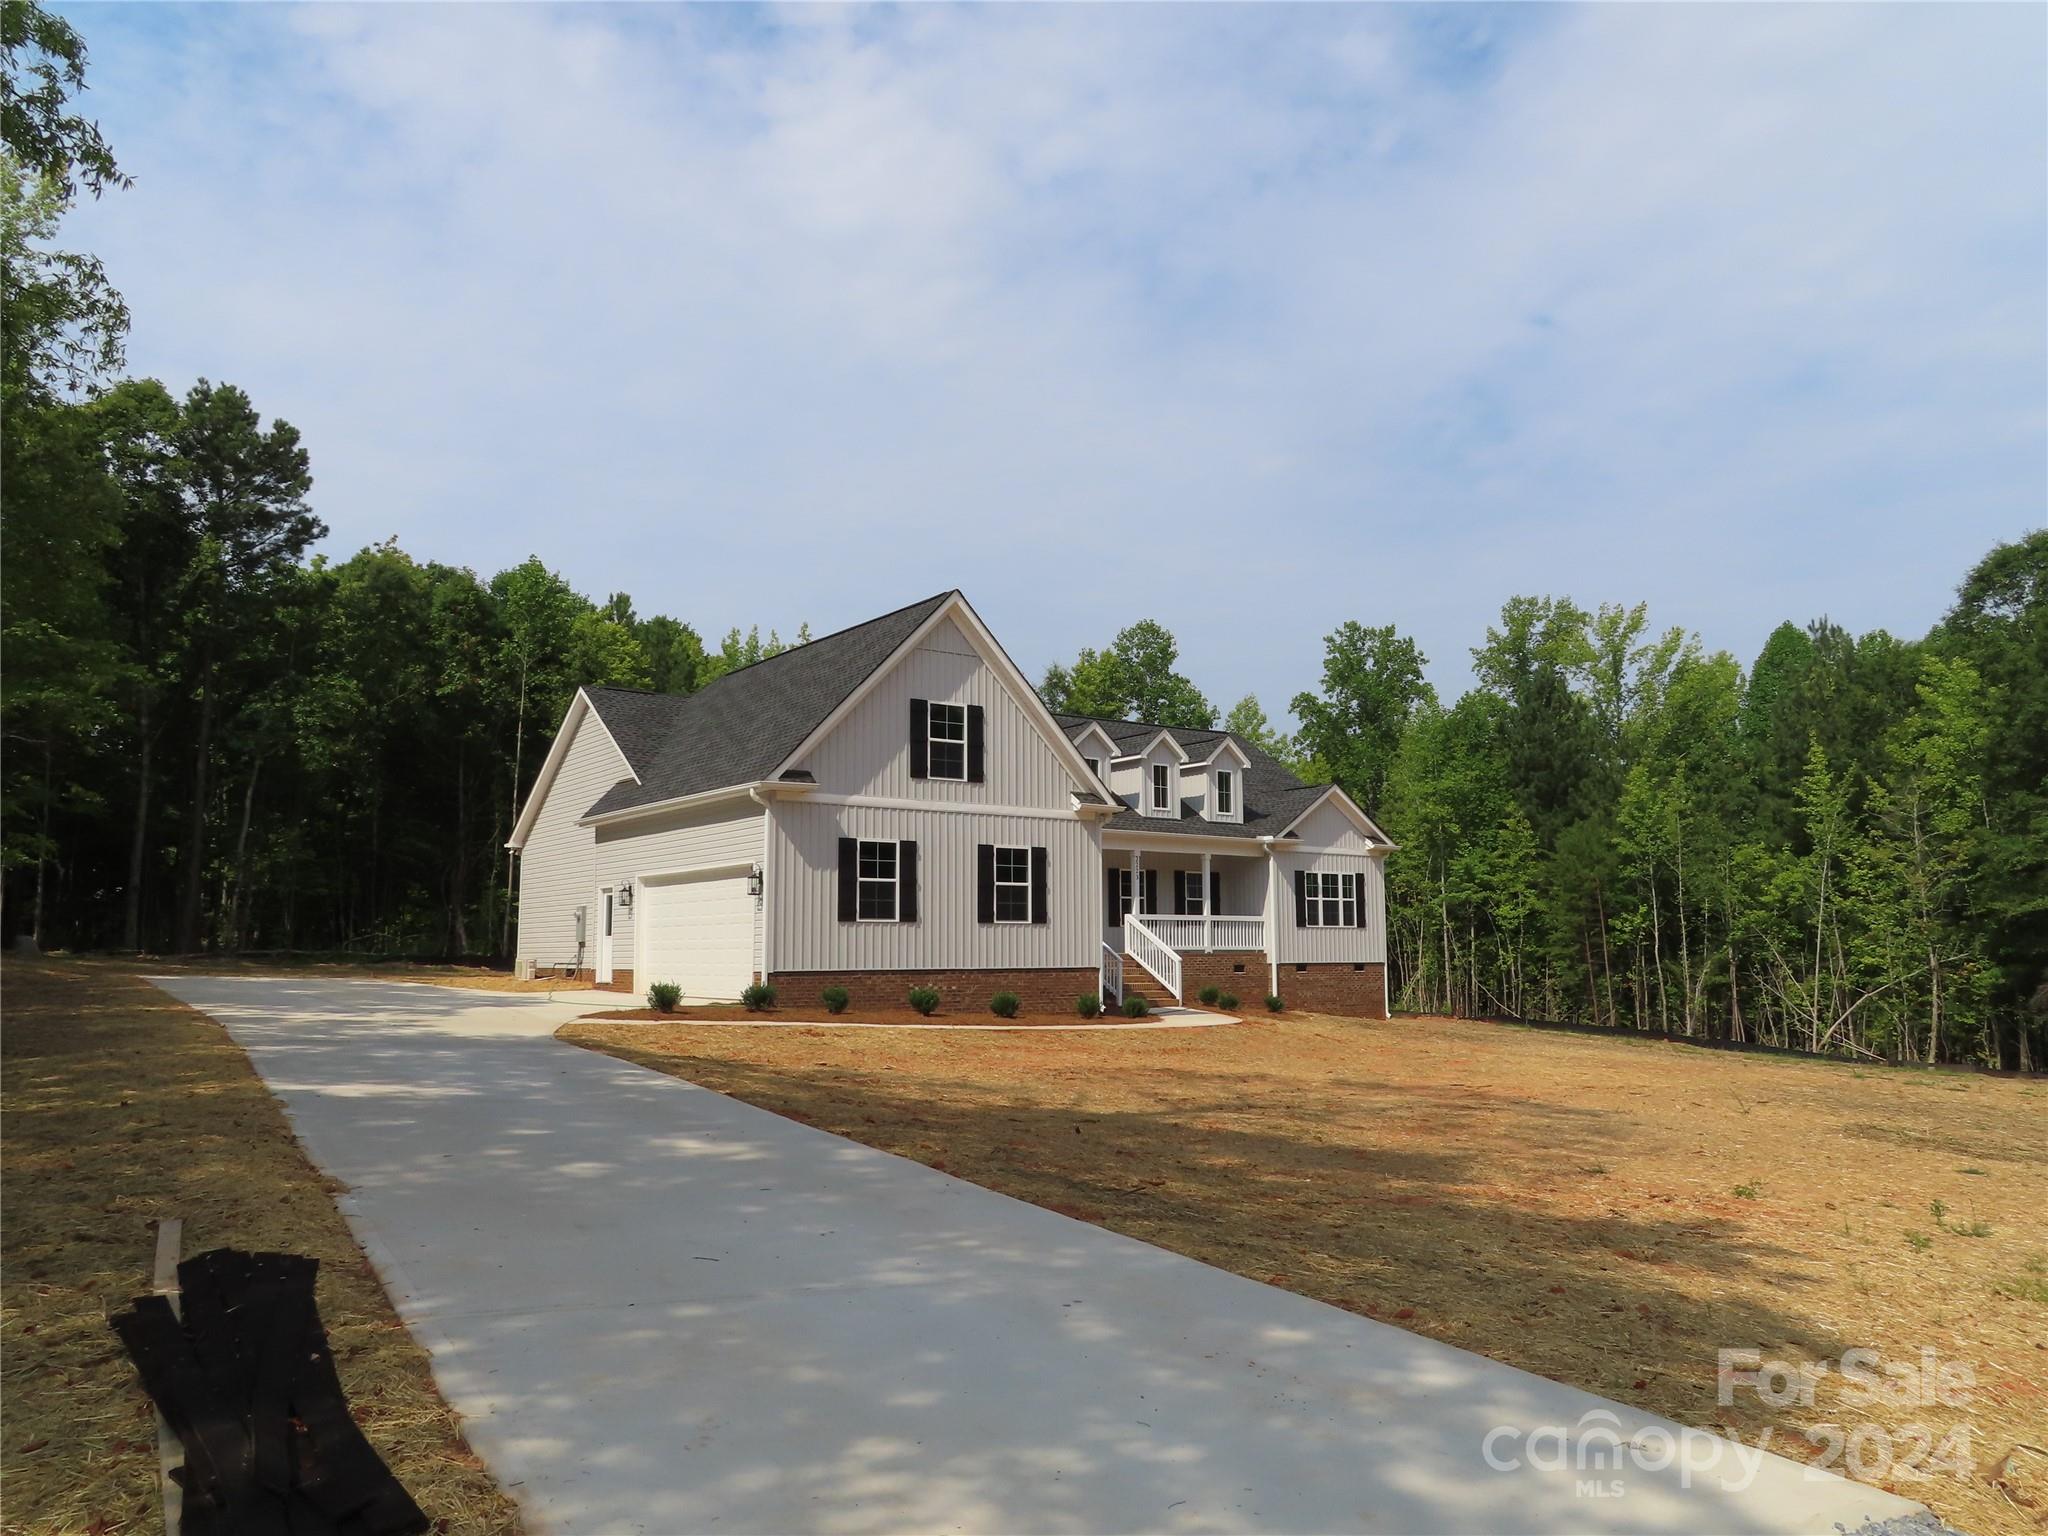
point(217, 739)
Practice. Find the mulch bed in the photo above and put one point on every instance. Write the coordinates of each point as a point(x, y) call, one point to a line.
point(714, 1013)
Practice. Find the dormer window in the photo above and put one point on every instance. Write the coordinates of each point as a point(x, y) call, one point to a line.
point(949, 741)
point(1094, 765)
point(1162, 787)
point(1226, 792)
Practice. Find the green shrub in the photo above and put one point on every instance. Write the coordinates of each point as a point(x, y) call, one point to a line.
point(1003, 1005)
point(1208, 995)
point(836, 999)
point(925, 1000)
point(1135, 1007)
point(663, 996)
point(1088, 1005)
point(1273, 1003)
point(1227, 1002)
point(758, 996)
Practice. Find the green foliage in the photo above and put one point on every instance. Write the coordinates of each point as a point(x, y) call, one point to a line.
point(1135, 1007)
point(1133, 680)
point(925, 1000)
point(1088, 1005)
point(1227, 1002)
point(1004, 1005)
point(835, 999)
point(1920, 1242)
point(662, 996)
point(1748, 1191)
point(1274, 1004)
point(1209, 994)
point(1372, 687)
point(757, 996)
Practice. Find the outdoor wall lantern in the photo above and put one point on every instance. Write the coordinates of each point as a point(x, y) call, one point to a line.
point(754, 881)
point(626, 896)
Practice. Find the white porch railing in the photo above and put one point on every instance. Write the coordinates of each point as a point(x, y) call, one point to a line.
point(1199, 935)
point(1112, 982)
point(1153, 953)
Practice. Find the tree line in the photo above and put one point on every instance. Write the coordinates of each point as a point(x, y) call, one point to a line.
point(1841, 848)
point(217, 738)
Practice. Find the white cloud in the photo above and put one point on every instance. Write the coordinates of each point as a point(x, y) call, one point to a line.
point(1249, 320)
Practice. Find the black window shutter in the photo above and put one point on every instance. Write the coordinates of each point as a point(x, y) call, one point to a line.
point(906, 882)
point(920, 738)
point(849, 879)
point(1151, 890)
point(1301, 898)
point(1215, 891)
point(974, 744)
point(1358, 894)
point(1038, 885)
point(1112, 906)
point(1180, 891)
point(985, 883)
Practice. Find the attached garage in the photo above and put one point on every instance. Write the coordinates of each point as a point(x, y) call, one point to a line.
point(696, 930)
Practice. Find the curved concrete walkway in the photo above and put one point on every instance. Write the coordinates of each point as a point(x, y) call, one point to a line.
point(664, 1311)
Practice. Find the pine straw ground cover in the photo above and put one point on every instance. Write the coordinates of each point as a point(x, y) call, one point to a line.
point(123, 1105)
point(1606, 1212)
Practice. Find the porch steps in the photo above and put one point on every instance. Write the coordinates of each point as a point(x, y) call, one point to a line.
point(1142, 983)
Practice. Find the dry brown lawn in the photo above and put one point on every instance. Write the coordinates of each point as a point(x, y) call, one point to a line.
point(1606, 1212)
point(122, 1105)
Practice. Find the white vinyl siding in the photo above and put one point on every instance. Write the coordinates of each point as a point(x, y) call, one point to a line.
point(708, 838)
point(1334, 945)
point(1159, 757)
point(803, 882)
point(868, 753)
point(557, 869)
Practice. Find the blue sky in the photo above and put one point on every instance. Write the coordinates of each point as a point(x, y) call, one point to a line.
point(1250, 320)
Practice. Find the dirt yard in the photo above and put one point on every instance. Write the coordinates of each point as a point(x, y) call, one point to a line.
point(1606, 1212)
point(123, 1105)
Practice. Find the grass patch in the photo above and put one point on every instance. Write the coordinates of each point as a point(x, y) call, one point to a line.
point(123, 1105)
point(1560, 1202)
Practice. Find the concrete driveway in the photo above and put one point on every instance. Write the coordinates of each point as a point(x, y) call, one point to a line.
point(661, 1310)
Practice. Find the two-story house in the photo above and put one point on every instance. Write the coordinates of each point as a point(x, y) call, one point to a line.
point(893, 805)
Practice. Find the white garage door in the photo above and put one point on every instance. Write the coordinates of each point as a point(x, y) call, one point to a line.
point(698, 932)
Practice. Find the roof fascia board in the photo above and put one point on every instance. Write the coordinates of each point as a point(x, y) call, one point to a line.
point(685, 802)
point(579, 706)
point(997, 659)
point(1120, 838)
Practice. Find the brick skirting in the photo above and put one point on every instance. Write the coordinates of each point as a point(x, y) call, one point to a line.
point(1339, 989)
point(966, 993)
point(1219, 970)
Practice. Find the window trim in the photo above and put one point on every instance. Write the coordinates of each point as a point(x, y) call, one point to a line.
point(1162, 788)
point(1127, 888)
point(1335, 890)
point(934, 740)
point(1226, 791)
point(1094, 767)
point(862, 879)
point(1194, 894)
point(1021, 884)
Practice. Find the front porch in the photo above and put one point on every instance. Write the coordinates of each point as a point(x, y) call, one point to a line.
point(1162, 905)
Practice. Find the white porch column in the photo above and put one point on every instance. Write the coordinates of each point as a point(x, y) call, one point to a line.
point(1208, 907)
point(1138, 881)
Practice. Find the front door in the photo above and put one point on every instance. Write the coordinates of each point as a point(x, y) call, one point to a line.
point(603, 969)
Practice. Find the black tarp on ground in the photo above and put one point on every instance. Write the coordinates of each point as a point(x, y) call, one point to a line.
point(247, 1383)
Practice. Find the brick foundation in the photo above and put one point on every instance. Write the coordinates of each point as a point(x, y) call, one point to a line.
point(1338, 989)
point(1219, 970)
point(1039, 992)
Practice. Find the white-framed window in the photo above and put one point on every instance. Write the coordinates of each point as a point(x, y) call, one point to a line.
point(1125, 898)
point(1094, 765)
point(1332, 900)
point(947, 737)
point(1226, 791)
point(1013, 885)
point(876, 895)
point(1195, 898)
point(1162, 787)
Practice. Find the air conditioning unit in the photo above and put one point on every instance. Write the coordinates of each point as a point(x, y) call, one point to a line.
point(524, 970)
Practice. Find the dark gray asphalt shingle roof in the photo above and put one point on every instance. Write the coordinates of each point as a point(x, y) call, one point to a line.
point(1273, 796)
point(740, 729)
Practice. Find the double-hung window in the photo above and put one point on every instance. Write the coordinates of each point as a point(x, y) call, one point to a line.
point(1013, 885)
point(1226, 791)
point(1332, 900)
point(948, 741)
point(877, 889)
point(1192, 895)
point(1094, 765)
point(1162, 787)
